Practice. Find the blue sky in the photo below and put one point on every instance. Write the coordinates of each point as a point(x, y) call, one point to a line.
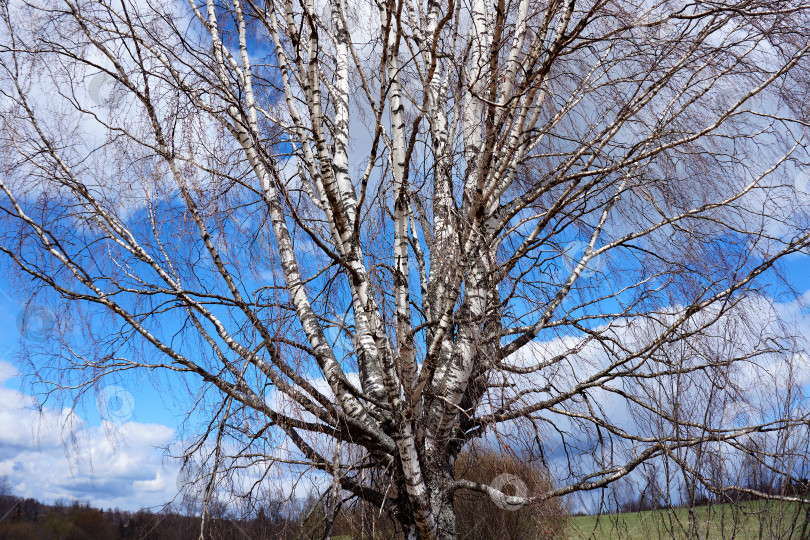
point(56, 453)
point(110, 457)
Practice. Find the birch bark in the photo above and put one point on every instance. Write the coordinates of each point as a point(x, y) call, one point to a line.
point(558, 210)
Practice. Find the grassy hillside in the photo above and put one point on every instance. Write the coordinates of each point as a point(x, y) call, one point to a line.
point(744, 521)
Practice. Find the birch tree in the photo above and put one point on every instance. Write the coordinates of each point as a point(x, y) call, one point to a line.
point(365, 234)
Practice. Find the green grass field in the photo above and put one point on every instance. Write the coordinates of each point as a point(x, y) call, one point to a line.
point(745, 521)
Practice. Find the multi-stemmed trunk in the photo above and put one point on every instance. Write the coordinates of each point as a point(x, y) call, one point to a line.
point(440, 475)
point(501, 134)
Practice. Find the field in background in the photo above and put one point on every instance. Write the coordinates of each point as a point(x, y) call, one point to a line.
point(743, 521)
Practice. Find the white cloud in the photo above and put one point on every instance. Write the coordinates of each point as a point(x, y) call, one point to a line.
point(51, 454)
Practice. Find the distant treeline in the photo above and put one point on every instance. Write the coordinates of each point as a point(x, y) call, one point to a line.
point(477, 517)
point(28, 519)
point(652, 496)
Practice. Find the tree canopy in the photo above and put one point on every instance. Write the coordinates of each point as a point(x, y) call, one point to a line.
point(362, 235)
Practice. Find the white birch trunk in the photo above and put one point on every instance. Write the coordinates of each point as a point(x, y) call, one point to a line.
point(552, 210)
